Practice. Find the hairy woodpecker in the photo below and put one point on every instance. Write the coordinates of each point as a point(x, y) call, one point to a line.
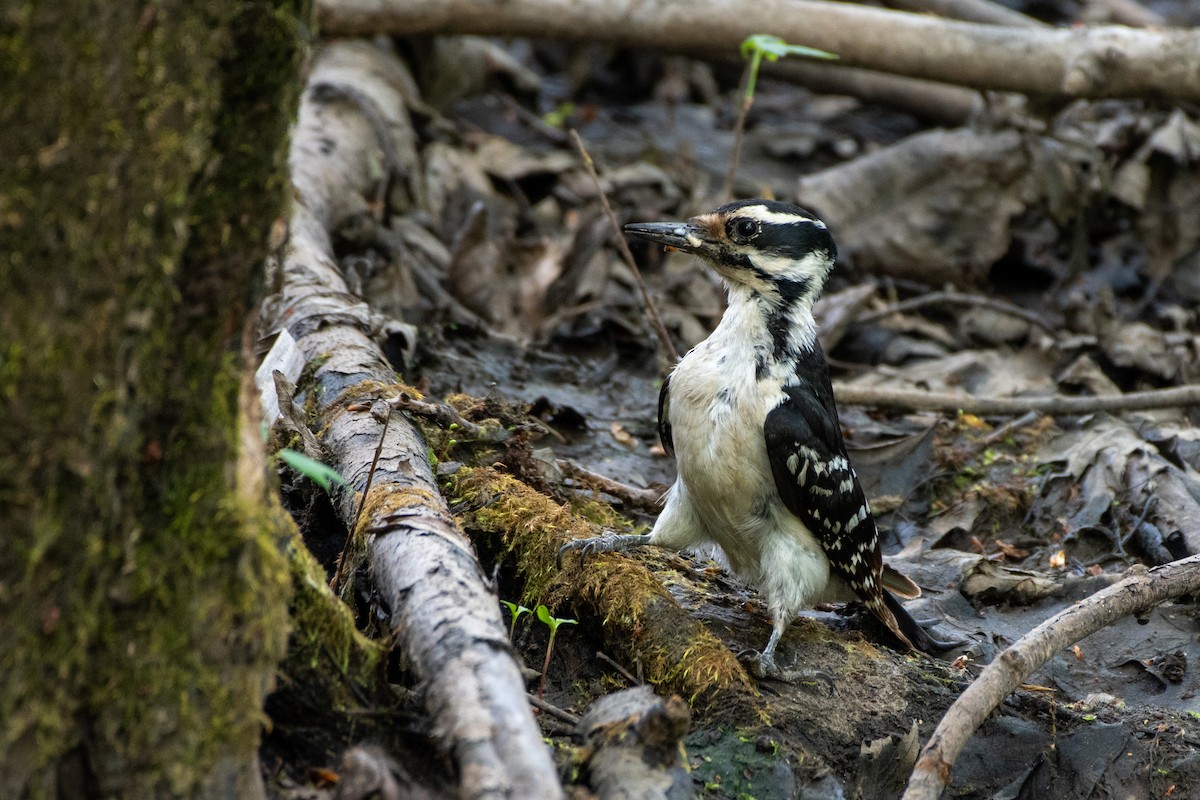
point(749, 416)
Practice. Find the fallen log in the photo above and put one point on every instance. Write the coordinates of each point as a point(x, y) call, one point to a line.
point(1103, 61)
point(444, 616)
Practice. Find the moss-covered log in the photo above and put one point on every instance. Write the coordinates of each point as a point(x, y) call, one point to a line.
point(641, 619)
point(143, 591)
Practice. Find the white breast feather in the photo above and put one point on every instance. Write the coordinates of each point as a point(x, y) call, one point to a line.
point(725, 493)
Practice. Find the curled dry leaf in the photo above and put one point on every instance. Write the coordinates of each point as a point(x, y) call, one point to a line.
point(933, 208)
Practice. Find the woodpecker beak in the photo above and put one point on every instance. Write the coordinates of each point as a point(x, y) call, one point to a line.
point(677, 235)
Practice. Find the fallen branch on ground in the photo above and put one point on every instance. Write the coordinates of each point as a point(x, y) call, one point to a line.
point(645, 499)
point(984, 11)
point(443, 612)
point(957, 298)
point(1141, 591)
point(915, 400)
point(935, 100)
point(1108, 61)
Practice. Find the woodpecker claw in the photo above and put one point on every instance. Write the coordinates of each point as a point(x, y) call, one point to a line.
point(605, 543)
point(763, 666)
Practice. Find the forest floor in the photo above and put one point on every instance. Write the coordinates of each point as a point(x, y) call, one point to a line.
point(494, 247)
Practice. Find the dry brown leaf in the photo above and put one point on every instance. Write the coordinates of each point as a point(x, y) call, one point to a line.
point(934, 207)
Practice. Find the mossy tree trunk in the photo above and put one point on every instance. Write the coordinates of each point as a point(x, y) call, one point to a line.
point(142, 586)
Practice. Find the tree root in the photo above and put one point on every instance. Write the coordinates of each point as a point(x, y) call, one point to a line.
point(914, 400)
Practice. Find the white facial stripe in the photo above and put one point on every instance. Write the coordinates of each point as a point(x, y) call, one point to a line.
point(811, 266)
point(775, 218)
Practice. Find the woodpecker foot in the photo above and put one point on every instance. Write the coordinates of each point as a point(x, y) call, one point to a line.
point(606, 543)
point(763, 666)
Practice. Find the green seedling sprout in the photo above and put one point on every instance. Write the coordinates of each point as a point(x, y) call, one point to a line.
point(755, 48)
point(515, 612)
point(323, 475)
point(552, 622)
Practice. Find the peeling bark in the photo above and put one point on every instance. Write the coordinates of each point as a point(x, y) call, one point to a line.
point(445, 617)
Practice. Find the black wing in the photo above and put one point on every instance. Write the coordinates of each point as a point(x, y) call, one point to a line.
point(817, 483)
point(664, 419)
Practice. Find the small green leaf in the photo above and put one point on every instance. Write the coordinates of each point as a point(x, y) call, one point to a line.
point(773, 48)
point(559, 115)
point(323, 475)
point(552, 621)
point(1089, 717)
point(515, 610)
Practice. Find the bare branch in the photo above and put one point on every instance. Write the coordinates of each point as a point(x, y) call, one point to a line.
point(447, 417)
point(1141, 591)
point(914, 400)
point(646, 499)
point(1106, 61)
point(935, 100)
point(957, 298)
point(984, 11)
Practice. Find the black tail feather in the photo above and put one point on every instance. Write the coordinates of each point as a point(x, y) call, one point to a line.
point(916, 633)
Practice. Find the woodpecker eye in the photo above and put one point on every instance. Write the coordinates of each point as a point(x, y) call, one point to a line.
point(743, 230)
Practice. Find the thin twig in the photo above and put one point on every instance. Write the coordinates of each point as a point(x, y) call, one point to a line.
point(1141, 591)
point(626, 674)
point(957, 298)
point(1009, 427)
point(630, 495)
point(551, 709)
point(386, 413)
point(651, 310)
point(446, 416)
point(913, 400)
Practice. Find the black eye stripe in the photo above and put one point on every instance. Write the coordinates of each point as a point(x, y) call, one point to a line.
point(795, 240)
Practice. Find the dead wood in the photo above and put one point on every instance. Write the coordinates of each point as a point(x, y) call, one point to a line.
point(1132, 13)
point(1141, 591)
point(914, 400)
point(957, 298)
point(632, 496)
point(984, 11)
point(642, 621)
point(445, 618)
point(633, 739)
point(934, 100)
point(1110, 61)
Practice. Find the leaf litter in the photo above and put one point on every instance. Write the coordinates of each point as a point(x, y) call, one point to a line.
point(494, 247)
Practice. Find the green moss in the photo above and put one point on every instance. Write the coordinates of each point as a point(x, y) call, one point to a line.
point(146, 598)
point(640, 619)
point(327, 653)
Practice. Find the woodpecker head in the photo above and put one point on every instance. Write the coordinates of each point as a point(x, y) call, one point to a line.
point(780, 253)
